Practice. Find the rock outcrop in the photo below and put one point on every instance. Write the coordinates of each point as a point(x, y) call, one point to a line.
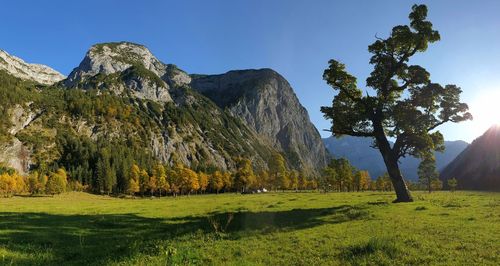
point(128, 67)
point(38, 73)
point(265, 101)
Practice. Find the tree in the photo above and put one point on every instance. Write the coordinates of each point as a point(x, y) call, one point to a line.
point(7, 184)
point(228, 181)
point(244, 177)
point(294, 180)
point(106, 174)
point(184, 180)
point(216, 182)
point(427, 170)
point(343, 173)
point(263, 179)
point(302, 181)
point(361, 180)
point(161, 175)
point(404, 105)
point(383, 183)
point(190, 180)
point(436, 184)
point(133, 182)
point(153, 184)
point(203, 181)
point(57, 182)
point(452, 183)
point(143, 181)
point(277, 170)
point(33, 183)
point(132, 186)
point(328, 178)
point(365, 181)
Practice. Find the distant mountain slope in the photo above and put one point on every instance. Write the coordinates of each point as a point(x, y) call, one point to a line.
point(267, 103)
point(478, 166)
point(362, 155)
point(35, 72)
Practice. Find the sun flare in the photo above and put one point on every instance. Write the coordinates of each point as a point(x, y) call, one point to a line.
point(486, 111)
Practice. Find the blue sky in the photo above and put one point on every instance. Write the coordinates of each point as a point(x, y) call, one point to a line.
point(296, 38)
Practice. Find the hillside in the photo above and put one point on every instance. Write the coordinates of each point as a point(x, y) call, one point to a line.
point(360, 153)
point(478, 166)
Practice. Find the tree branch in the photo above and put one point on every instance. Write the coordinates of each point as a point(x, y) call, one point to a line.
point(437, 124)
point(351, 132)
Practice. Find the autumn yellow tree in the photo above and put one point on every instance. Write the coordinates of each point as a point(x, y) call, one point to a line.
point(143, 181)
point(7, 184)
point(262, 178)
point(278, 173)
point(133, 182)
point(161, 175)
point(203, 181)
point(57, 182)
point(244, 177)
point(216, 182)
point(228, 181)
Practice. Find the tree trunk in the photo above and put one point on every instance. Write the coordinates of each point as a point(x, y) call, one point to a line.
point(391, 162)
point(402, 192)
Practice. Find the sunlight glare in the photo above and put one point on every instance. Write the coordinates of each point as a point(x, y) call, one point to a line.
point(486, 111)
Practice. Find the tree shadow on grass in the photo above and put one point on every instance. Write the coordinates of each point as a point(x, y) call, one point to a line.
point(49, 239)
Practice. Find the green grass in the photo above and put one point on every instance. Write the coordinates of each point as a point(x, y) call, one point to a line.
point(444, 228)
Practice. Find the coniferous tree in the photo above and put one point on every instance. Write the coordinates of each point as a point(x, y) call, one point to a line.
point(452, 183)
point(427, 170)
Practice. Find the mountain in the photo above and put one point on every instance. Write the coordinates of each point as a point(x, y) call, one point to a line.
point(266, 102)
point(39, 73)
point(478, 166)
point(128, 68)
point(121, 101)
point(360, 153)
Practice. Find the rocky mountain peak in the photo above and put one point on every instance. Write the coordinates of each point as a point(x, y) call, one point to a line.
point(35, 72)
point(266, 102)
point(133, 65)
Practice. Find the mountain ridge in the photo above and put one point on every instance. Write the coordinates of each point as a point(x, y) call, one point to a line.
point(363, 156)
point(478, 166)
point(27, 71)
point(176, 122)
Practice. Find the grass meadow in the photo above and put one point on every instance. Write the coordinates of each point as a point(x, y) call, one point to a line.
point(442, 228)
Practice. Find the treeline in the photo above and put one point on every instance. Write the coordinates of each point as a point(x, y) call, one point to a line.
point(112, 172)
point(341, 176)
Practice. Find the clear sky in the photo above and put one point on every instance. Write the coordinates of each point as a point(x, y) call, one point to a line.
point(296, 38)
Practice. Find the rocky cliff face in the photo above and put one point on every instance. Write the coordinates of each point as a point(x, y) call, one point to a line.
point(126, 67)
point(39, 73)
point(265, 101)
